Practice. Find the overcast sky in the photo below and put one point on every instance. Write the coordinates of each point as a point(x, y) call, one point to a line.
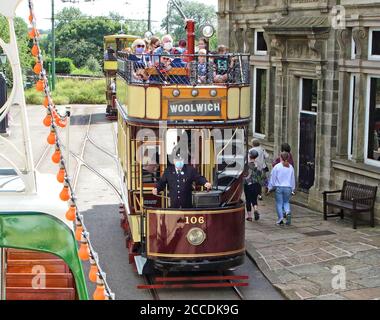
point(130, 9)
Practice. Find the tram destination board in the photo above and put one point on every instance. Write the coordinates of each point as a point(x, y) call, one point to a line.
point(194, 108)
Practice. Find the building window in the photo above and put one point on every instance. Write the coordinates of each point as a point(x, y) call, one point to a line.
point(351, 117)
point(374, 44)
point(261, 48)
point(309, 90)
point(373, 122)
point(259, 101)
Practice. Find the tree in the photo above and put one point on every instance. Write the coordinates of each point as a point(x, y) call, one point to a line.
point(78, 37)
point(24, 45)
point(198, 11)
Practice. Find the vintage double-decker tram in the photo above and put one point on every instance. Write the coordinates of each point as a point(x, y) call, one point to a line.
point(206, 121)
point(112, 44)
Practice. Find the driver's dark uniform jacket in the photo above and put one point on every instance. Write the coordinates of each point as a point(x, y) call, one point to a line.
point(180, 185)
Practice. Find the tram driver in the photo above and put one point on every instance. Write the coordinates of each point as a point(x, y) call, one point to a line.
point(179, 178)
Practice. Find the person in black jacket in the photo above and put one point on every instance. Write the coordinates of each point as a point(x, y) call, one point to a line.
point(179, 178)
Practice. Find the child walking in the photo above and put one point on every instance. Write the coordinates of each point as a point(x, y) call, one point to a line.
point(282, 181)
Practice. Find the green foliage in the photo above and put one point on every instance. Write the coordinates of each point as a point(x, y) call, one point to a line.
point(62, 65)
point(93, 65)
point(198, 11)
point(72, 91)
point(78, 37)
point(86, 72)
point(21, 29)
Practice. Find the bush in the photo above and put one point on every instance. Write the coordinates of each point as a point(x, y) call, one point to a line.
point(72, 91)
point(93, 65)
point(62, 65)
point(86, 72)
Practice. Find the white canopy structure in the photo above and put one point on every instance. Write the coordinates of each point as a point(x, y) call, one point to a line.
point(24, 169)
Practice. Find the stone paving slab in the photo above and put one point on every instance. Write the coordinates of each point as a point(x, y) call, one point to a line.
point(304, 260)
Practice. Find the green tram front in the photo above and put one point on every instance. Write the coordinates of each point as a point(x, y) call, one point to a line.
point(206, 121)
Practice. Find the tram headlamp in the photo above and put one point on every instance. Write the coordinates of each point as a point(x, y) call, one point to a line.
point(208, 31)
point(194, 93)
point(176, 93)
point(213, 93)
point(196, 236)
point(148, 35)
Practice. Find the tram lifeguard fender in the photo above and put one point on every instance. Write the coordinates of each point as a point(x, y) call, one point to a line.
point(42, 232)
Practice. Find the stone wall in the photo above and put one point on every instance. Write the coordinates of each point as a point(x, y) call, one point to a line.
point(311, 39)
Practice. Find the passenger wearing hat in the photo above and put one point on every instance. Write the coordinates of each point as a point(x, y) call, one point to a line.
point(180, 178)
point(252, 185)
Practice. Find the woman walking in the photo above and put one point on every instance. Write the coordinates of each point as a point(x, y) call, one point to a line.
point(282, 181)
point(252, 185)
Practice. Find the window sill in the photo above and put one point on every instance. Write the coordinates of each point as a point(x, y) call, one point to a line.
point(361, 169)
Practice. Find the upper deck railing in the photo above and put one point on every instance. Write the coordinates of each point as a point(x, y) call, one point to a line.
point(192, 70)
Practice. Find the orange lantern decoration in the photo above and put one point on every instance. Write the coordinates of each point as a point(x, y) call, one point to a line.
point(56, 157)
point(31, 17)
point(40, 85)
point(65, 194)
point(61, 175)
point(99, 293)
point(33, 33)
point(93, 270)
point(47, 120)
point(37, 68)
point(35, 50)
point(71, 213)
point(51, 137)
point(84, 253)
point(78, 230)
point(61, 123)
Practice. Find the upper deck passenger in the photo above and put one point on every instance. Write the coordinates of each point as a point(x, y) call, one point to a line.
point(140, 60)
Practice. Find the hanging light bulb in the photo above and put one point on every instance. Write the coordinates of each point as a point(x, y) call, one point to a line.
point(61, 174)
point(37, 68)
point(51, 138)
point(78, 230)
point(56, 157)
point(71, 213)
point(84, 253)
point(31, 17)
point(35, 50)
point(93, 270)
point(40, 85)
point(99, 293)
point(65, 193)
point(47, 120)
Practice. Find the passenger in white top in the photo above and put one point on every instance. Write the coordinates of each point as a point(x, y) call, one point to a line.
point(282, 181)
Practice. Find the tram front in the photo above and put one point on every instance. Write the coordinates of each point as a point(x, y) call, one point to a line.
point(173, 105)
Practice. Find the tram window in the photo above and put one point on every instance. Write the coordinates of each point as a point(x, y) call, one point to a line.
point(151, 163)
point(184, 142)
point(229, 155)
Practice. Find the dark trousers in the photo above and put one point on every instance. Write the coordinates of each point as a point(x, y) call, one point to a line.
point(251, 192)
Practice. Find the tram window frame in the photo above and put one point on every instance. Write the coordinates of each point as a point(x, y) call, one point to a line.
point(236, 151)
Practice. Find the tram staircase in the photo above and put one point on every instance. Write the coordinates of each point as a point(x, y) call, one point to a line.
point(24, 266)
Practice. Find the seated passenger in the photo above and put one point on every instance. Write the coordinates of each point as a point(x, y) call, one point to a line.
point(164, 67)
point(223, 64)
point(139, 60)
point(203, 66)
point(166, 47)
point(109, 54)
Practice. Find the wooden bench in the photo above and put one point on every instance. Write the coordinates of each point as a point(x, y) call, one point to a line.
point(355, 198)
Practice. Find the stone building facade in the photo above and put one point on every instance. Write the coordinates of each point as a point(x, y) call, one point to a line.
point(315, 84)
